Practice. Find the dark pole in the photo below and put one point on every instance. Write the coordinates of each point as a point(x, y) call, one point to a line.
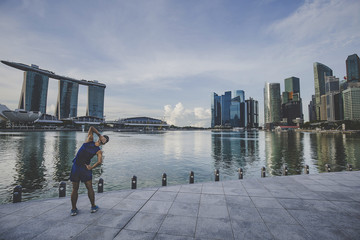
point(240, 173)
point(263, 172)
point(191, 178)
point(62, 189)
point(133, 182)
point(307, 171)
point(164, 179)
point(285, 170)
point(217, 175)
point(101, 185)
point(17, 194)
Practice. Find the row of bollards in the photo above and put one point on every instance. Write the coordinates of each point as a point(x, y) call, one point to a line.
point(62, 187)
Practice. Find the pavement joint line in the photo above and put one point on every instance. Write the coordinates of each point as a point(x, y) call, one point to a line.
point(137, 211)
point(227, 208)
point(162, 222)
point(197, 215)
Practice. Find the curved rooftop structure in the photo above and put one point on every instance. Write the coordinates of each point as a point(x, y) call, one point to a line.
point(50, 74)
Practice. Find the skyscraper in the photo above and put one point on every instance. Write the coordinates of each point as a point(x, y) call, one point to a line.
point(252, 108)
point(351, 98)
point(225, 102)
point(353, 68)
point(272, 103)
point(95, 107)
point(238, 110)
point(320, 71)
point(33, 95)
point(220, 109)
point(291, 100)
point(312, 112)
point(67, 101)
point(215, 110)
point(332, 87)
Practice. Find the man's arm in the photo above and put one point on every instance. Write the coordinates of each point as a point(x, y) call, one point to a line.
point(99, 161)
point(91, 132)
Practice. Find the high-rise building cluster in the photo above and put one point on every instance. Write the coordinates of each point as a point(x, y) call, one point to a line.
point(334, 99)
point(34, 91)
point(285, 108)
point(228, 111)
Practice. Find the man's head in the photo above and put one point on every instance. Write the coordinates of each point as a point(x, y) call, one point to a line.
point(104, 139)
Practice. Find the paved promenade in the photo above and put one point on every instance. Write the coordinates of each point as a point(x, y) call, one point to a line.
point(318, 206)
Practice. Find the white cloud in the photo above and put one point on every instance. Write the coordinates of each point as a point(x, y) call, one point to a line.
point(180, 116)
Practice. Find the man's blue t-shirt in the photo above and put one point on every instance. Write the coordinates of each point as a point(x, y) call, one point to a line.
point(79, 172)
point(86, 153)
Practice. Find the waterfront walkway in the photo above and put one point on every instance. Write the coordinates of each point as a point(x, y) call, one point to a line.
point(315, 206)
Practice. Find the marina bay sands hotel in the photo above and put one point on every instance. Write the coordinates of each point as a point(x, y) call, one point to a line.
point(35, 87)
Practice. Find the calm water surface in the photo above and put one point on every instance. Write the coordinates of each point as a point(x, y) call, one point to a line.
point(40, 160)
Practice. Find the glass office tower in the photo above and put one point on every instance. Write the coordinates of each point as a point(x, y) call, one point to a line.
point(291, 100)
point(320, 71)
point(272, 103)
point(225, 102)
point(95, 106)
point(238, 111)
point(311, 107)
point(353, 68)
point(351, 101)
point(67, 101)
point(34, 92)
point(215, 110)
point(252, 108)
point(292, 84)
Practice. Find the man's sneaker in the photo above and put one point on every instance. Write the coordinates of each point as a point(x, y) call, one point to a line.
point(74, 212)
point(94, 209)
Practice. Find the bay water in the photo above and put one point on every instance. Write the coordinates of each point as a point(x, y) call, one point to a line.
point(39, 161)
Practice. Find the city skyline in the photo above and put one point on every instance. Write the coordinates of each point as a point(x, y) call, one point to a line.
point(164, 58)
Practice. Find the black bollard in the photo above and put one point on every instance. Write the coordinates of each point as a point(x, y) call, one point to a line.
point(191, 178)
point(164, 179)
point(62, 189)
point(306, 169)
point(17, 194)
point(285, 170)
point(349, 167)
point(263, 172)
point(101, 185)
point(217, 175)
point(327, 168)
point(240, 173)
point(133, 182)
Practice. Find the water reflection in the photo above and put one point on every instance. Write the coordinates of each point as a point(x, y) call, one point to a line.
point(232, 150)
point(64, 153)
point(284, 148)
point(334, 149)
point(30, 167)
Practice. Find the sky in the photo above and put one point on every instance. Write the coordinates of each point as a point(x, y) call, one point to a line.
point(165, 58)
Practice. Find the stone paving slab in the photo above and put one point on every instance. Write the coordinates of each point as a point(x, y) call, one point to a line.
point(319, 206)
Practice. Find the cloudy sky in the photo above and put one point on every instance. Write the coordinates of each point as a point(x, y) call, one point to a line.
point(164, 58)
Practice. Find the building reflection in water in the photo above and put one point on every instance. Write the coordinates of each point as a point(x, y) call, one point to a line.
point(234, 150)
point(335, 149)
point(30, 167)
point(64, 153)
point(284, 148)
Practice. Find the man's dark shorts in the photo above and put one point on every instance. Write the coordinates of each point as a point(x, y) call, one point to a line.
point(80, 173)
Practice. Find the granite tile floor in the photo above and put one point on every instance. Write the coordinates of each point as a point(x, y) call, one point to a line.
point(315, 206)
